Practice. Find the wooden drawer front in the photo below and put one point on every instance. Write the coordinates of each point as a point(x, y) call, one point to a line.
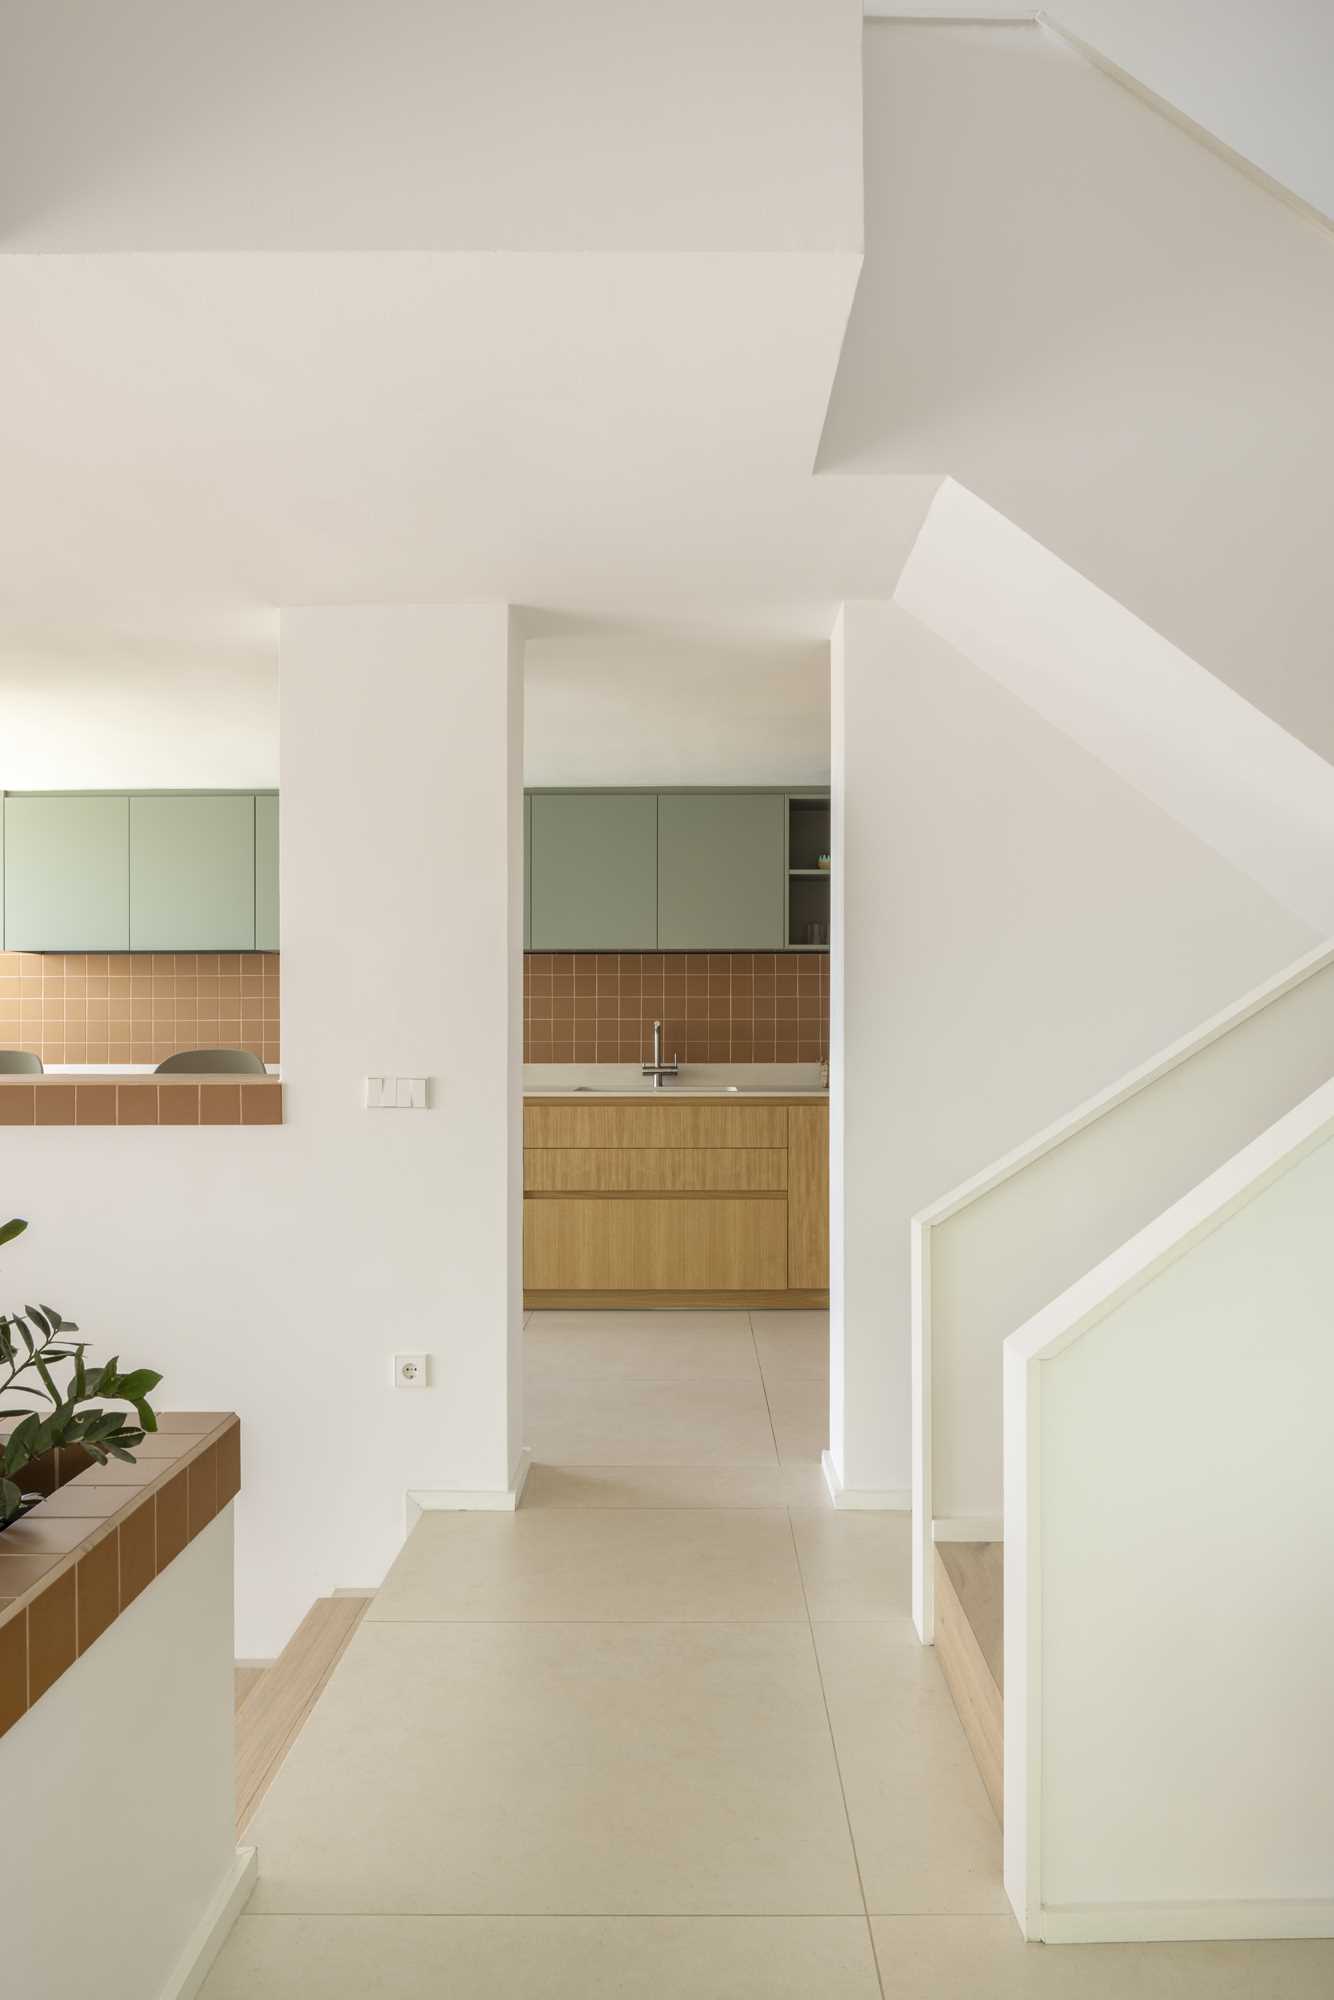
point(660, 1125)
point(655, 1169)
point(587, 1245)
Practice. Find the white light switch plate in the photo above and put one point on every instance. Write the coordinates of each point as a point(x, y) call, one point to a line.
point(396, 1093)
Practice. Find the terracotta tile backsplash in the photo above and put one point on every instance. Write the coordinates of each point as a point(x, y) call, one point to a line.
point(738, 1006)
point(137, 1007)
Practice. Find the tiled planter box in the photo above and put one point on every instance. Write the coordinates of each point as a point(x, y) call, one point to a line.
point(73, 1564)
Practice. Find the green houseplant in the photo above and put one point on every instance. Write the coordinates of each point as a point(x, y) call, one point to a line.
point(32, 1343)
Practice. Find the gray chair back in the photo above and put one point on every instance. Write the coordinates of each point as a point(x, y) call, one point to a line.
point(213, 1062)
point(19, 1062)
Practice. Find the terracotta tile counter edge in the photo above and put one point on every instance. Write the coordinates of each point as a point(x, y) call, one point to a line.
point(66, 1099)
point(82, 1555)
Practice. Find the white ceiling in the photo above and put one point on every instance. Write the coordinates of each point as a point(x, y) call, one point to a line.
point(315, 381)
point(611, 435)
point(599, 437)
point(495, 125)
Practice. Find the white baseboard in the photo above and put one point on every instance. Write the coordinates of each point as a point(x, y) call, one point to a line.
point(863, 1499)
point(210, 1933)
point(1192, 1923)
point(486, 1500)
point(969, 1528)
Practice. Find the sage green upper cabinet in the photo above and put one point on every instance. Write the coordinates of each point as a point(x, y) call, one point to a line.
point(527, 871)
point(266, 871)
point(192, 872)
point(67, 872)
point(720, 871)
point(593, 882)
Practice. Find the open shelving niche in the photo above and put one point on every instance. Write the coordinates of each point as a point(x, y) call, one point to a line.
point(806, 900)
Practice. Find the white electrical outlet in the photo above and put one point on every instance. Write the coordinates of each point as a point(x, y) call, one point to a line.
point(410, 1371)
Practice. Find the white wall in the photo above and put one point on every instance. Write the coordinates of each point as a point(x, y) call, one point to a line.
point(632, 708)
point(1183, 1643)
point(87, 707)
point(1255, 77)
point(996, 1261)
point(1108, 333)
point(1178, 734)
point(126, 1773)
point(274, 1271)
point(1018, 928)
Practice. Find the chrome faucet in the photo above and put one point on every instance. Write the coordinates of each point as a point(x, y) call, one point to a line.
point(658, 1069)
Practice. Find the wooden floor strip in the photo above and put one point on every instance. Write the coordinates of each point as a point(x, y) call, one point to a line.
point(969, 1660)
point(246, 1680)
point(272, 1711)
point(977, 1571)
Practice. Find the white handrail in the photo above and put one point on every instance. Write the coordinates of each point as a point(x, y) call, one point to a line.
point(1128, 1085)
point(1041, 1143)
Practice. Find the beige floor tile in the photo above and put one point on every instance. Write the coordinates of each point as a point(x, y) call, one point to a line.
point(676, 1486)
point(799, 1411)
point(927, 1840)
point(984, 1958)
point(652, 1346)
point(563, 1769)
point(793, 1343)
point(546, 1958)
point(649, 1423)
point(854, 1565)
point(596, 1564)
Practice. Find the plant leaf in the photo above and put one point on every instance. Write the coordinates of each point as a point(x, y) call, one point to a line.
point(48, 1382)
point(138, 1383)
point(9, 1230)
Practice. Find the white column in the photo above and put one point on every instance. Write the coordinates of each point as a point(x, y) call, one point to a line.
point(866, 1463)
point(402, 896)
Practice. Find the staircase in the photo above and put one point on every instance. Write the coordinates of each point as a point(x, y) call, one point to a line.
point(970, 1591)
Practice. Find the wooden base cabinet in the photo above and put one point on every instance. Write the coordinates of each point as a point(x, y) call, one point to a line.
point(642, 1244)
point(635, 1202)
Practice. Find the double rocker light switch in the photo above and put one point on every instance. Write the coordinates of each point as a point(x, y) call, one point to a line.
point(396, 1093)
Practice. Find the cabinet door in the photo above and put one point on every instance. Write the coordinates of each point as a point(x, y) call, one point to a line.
point(67, 873)
point(720, 871)
point(192, 873)
point(527, 871)
point(594, 876)
point(808, 1196)
point(266, 871)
